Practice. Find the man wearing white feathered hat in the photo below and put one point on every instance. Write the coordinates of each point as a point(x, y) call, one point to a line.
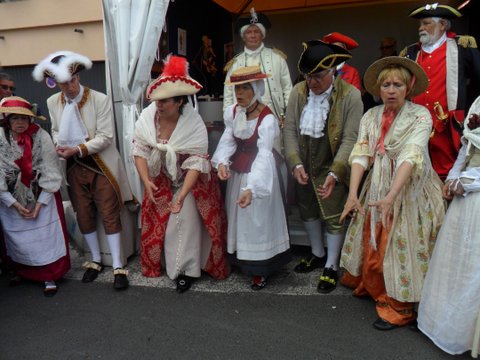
point(83, 131)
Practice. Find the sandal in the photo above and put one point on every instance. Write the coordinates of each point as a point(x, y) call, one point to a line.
point(184, 283)
point(310, 264)
point(49, 288)
point(120, 281)
point(258, 283)
point(93, 269)
point(328, 281)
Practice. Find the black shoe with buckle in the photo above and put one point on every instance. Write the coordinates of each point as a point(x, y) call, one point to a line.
point(328, 281)
point(258, 283)
point(383, 325)
point(93, 269)
point(184, 283)
point(120, 280)
point(310, 264)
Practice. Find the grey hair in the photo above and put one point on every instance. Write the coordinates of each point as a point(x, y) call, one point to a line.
point(446, 22)
point(5, 76)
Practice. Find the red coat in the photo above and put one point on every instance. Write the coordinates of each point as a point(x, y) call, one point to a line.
point(350, 75)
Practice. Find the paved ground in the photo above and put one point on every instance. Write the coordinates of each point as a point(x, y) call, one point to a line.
point(215, 320)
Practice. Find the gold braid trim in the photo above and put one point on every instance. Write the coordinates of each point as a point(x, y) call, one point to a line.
point(467, 41)
point(106, 171)
point(229, 64)
point(280, 52)
point(83, 150)
point(83, 100)
point(403, 53)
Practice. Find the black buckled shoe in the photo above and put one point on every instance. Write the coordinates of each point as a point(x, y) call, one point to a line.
point(310, 264)
point(120, 280)
point(50, 288)
point(93, 269)
point(328, 281)
point(184, 283)
point(383, 325)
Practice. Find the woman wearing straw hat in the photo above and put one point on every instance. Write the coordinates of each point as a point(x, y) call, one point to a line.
point(449, 310)
point(31, 209)
point(182, 210)
point(257, 232)
point(399, 209)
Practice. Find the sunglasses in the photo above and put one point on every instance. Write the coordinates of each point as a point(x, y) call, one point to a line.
point(6, 87)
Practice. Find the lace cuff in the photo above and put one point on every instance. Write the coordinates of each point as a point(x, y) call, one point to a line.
point(197, 162)
point(141, 150)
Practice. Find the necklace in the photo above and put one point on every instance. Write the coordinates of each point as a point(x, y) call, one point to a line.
point(255, 108)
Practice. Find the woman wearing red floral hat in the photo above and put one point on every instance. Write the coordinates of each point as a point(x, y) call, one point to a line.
point(182, 210)
point(31, 211)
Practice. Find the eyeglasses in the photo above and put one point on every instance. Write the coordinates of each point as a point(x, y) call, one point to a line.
point(6, 87)
point(318, 76)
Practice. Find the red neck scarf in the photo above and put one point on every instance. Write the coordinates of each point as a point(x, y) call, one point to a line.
point(25, 162)
point(387, 119)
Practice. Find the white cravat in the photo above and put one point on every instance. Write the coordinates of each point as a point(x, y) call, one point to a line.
point(315, 113)
point(72, 131)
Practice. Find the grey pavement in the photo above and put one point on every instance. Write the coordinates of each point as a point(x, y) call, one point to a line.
point(214, 320)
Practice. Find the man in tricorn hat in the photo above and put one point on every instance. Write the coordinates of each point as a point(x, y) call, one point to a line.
point(449, 61)
point(271, 61)
point(84, 134)
point(321, 127)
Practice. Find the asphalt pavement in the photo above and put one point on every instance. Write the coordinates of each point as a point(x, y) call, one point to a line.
point(213, 320)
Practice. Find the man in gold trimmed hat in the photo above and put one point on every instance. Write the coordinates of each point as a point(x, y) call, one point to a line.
point(272, 61)
point(83, 131)
point(449, 61)
point(321, 127)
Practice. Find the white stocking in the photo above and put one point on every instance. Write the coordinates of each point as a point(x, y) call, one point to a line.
point(335, 243)
point(92, 242)
point(314, 233)
point(115, 250)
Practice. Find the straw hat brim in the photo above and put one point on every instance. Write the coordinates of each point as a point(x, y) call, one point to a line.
point(374, 70)
point(168, 87)
point(257, 77)
point(19, 111)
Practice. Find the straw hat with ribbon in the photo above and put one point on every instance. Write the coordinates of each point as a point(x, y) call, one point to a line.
point(17, 105)
point(371, 75)
point(174, 80)
point(245, 75)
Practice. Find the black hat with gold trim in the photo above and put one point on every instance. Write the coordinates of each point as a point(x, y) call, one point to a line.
point(435, 10)
point(318, 56)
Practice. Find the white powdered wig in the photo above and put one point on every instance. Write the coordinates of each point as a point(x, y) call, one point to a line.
point(62, 70)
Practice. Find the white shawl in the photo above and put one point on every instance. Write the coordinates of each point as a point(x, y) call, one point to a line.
point(189, 137)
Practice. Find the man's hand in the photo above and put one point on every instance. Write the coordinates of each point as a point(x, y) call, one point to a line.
point(300, 175)
point(325, 190)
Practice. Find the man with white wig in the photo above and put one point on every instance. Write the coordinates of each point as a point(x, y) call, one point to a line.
point(450, 61)
point(83, 131)
point(271, 61)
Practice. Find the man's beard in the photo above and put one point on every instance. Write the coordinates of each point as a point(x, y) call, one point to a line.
point(428, 39)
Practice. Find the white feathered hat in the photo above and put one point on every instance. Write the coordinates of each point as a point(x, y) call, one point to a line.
point(61, 66)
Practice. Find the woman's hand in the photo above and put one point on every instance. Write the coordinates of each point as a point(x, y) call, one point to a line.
point(177, 204)
point(36, 211)
point(223, 172)
point(452, 188)
point(385, 206)
point(245, 198)
point(150, 188)
point(22, 211)
point(352, 207)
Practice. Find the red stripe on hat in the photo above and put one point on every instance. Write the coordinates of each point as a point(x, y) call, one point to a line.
point(17, 103)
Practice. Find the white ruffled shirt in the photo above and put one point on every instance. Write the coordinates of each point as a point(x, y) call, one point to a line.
point(315, 114)
point(260, 177)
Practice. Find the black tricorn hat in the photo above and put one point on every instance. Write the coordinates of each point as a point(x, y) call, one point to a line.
point(435, 10)
point(252, 20)
point(318, 56)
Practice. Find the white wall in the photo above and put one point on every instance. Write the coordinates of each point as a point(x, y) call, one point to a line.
point(366, 24)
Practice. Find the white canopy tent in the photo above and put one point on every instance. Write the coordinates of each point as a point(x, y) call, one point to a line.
point(132, 34)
